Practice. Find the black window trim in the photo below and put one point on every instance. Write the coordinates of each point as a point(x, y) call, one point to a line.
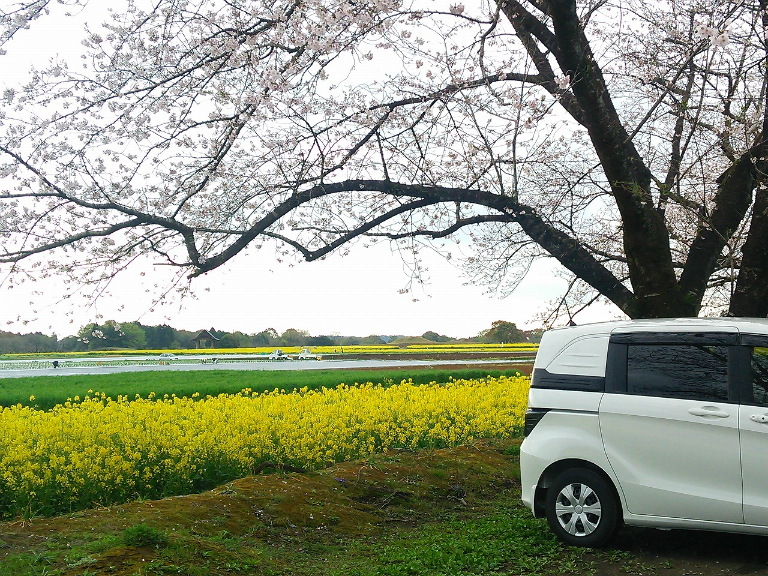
point(744, 375)
point(759, 340)
point(693, 338)
point(548, 380)
point(616, 369)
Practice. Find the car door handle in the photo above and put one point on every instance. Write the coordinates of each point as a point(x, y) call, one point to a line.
point(761, 418)
point(709, 412)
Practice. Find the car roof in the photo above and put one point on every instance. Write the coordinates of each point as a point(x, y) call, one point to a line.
point(724, 324)
point(554, 341)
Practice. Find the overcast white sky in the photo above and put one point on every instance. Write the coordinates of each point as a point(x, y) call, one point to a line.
point(355, 295)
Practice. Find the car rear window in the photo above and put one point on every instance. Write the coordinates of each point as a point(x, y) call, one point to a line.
point(690, 372)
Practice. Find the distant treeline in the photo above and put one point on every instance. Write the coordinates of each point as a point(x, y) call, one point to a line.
point(137, 336)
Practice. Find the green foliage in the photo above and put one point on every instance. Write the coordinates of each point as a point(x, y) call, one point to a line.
point(266, 337)
point(501, 331)
point(320, 341)
point(132, 336)
point(145, 535)
point(137, 336)
point(234, 340)
point(11, 343)
point(159, 337)
point(435, 337)
point(487, 545)
point(111, 334)
point(293, 337)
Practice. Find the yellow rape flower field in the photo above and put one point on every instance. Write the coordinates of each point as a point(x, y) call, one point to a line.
point(102, 451)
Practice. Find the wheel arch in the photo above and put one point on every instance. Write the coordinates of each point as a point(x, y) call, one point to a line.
point(555, 469)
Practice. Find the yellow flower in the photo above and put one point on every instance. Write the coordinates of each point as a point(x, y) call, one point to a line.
point(106, 451)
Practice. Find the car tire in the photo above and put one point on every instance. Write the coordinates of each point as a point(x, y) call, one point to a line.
point(582, 508)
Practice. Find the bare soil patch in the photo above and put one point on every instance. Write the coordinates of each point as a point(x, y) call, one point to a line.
point(646, 551)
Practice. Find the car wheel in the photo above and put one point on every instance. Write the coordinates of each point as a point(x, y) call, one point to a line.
point(581, 508)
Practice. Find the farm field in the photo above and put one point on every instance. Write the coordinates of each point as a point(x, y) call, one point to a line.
point(102, 450)
point(413, 507)
point(331, 351)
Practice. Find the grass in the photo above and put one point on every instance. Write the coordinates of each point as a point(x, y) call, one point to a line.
point(439, 512)
point(144, 535)
point(49, 391)
point(457, 545)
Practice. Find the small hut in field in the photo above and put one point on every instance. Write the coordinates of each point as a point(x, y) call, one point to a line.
point(205, 339)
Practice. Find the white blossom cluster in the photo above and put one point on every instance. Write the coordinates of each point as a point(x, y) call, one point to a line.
point(717, 38)
point(192, 130)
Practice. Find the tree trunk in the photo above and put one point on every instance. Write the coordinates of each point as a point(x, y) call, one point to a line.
point(646, 238)
point(751, 295)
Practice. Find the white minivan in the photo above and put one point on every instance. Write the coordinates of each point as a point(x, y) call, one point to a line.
point(660, 423)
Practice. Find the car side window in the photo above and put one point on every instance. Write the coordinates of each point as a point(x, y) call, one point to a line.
point(689, 372)
point(759, 365)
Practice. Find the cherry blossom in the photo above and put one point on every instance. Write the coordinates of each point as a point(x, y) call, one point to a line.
point(625, 140)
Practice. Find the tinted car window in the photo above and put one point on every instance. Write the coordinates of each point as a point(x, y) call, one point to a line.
point(678, 371)
point(759, 366)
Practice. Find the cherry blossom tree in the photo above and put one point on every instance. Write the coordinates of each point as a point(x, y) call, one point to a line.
point(628, 141)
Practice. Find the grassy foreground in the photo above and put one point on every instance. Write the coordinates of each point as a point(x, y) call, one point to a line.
point(447, 512)
point(438, 512)
point(45, 392)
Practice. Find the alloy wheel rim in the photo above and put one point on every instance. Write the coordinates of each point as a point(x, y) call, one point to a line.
point(578, 509)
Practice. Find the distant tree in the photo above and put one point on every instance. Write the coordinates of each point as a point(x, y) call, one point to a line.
point(265, 337)
point(69, 344)
point(533, 335)
point(501, 331)
point(320, 341)
point(293, 337)
point(11, 343)
point(159, 337)
point(112, 334)
point(233, 340)
point(132, 335)
point(184, 339)
point(376, 340)
point(227, 340)
point(88, 336)
point(435, 337)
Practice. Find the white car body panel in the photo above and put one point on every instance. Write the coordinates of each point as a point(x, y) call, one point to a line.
point(670, 462)
point(570, 435)
point(754, 453)
point(584, 356)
